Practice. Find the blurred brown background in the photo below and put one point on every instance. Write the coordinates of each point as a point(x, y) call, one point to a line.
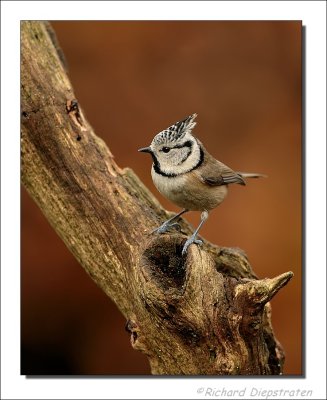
point(133, 79)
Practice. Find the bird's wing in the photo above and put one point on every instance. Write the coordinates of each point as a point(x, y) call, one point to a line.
point(215, 173)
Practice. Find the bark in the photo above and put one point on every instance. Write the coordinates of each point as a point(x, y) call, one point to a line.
point(206, 313)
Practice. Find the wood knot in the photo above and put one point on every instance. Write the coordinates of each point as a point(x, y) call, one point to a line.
point(132, 328)
point(75, 113)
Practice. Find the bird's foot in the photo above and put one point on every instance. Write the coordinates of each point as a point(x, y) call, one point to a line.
point(189, 242)
point(165, 227)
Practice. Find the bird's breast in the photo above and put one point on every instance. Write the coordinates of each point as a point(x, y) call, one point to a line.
point(188, 191)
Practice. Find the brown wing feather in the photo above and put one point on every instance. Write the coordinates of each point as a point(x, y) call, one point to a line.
point(215, 173)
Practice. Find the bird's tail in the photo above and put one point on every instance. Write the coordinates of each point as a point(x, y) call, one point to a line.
point(251, 175)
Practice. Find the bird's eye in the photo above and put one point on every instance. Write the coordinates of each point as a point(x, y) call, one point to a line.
point(166, 149)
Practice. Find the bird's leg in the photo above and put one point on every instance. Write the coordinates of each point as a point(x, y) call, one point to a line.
point(168, 224)
point(192, 239)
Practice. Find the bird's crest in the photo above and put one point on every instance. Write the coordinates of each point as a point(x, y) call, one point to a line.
point(176, 131)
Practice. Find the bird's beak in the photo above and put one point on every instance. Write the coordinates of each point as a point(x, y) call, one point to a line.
point(145, 150)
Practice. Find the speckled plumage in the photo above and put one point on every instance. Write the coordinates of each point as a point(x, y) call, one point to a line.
point(176, 131)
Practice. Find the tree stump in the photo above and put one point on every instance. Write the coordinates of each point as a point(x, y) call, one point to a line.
point(205, 313)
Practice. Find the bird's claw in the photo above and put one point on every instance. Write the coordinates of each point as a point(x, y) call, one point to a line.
point(190, 241)
point(176, 226)
point(165, 227)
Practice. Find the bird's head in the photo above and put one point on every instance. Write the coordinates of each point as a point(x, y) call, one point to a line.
point(175, 150)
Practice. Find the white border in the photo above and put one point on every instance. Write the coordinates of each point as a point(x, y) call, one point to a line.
point(313, 15)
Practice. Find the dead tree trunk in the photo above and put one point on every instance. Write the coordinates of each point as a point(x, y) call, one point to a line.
point(203, 314)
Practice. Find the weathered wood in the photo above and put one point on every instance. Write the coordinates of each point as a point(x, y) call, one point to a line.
point(202, 314)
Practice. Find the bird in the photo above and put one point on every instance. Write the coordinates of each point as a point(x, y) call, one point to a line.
point(185, 173)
